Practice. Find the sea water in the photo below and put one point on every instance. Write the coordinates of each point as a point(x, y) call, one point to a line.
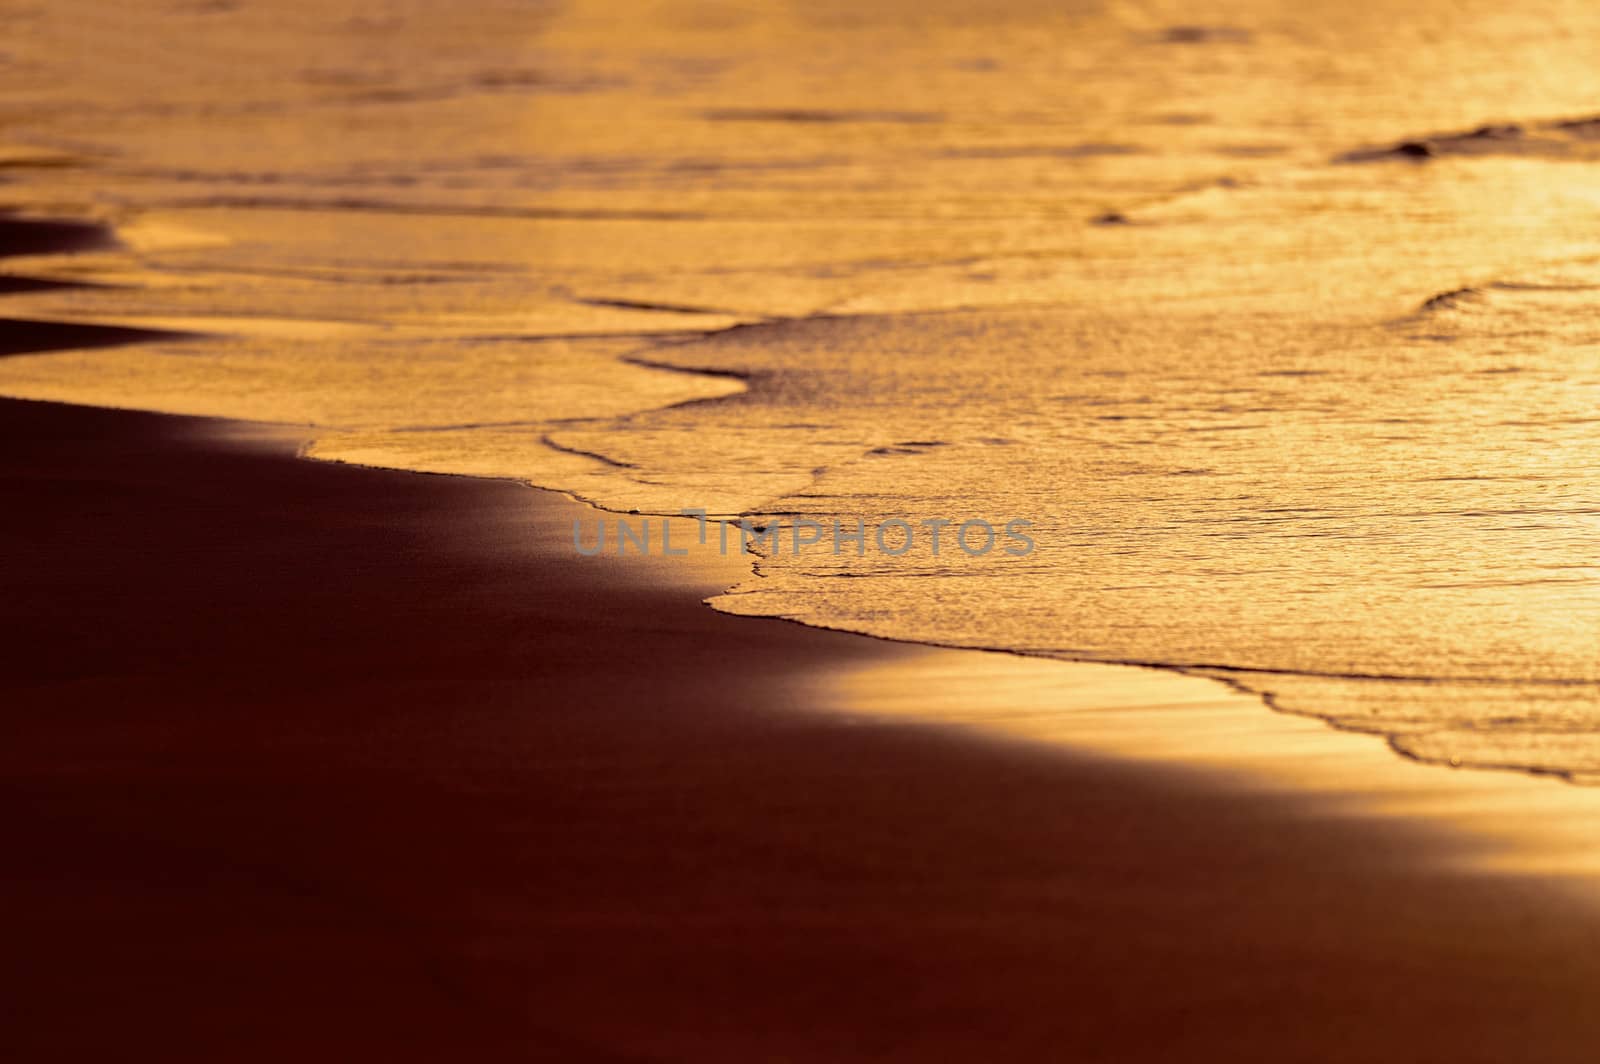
point(1279, 322)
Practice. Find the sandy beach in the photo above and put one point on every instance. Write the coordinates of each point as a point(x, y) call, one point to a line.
point(324, 326)
point(368, 762)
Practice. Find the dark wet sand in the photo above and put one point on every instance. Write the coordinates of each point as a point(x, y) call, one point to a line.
point(21, 236)
point(322, 763)
point(20, 336)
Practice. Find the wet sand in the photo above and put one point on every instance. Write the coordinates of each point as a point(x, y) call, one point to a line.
point(324, 762)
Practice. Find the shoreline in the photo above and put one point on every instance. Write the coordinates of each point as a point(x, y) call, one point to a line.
point(356, 766)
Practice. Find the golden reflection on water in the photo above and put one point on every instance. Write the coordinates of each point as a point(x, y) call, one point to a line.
point(1188, 723)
